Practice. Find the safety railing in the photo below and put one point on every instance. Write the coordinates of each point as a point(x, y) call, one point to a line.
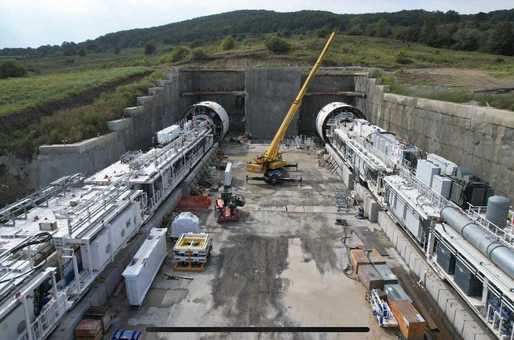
point(478, 214)
point(47, 318)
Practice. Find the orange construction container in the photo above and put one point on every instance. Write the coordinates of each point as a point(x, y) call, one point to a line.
point(188, 203)
point(89, 329)
point(411, 323)
point(359, 257)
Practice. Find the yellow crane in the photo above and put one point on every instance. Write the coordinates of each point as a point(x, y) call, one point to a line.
point(270, 163)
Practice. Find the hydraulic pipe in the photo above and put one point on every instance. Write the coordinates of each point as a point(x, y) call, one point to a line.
point(485, 242)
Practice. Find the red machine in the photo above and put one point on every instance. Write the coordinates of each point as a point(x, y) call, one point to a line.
point(227, 207)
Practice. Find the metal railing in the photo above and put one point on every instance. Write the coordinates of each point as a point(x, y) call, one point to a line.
point(94, 208)
point(161, 155)
point(47, 319)
point(426, 193)
point(478, 214)
point(21, 207)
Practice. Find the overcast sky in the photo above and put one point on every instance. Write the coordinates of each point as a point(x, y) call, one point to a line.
point(38, 22)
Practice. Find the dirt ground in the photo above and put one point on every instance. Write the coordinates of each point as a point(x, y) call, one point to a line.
point(280, 265)
point(468, 79)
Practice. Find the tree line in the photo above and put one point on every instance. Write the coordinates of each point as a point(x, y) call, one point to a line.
point(489, 32)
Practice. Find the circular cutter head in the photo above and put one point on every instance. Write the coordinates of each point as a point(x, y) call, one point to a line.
point(334, 110)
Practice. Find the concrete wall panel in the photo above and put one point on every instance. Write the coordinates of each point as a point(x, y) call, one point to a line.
point(270, 93)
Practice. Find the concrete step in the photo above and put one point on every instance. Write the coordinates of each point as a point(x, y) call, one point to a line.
point(141, 100)
point(152, 91)
point(133, 111)
point(164, 82)
point(119, 124)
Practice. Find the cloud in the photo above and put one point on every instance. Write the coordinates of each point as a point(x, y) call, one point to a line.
point(34, 23)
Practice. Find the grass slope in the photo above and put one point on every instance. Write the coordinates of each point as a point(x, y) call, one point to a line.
point(17, 94)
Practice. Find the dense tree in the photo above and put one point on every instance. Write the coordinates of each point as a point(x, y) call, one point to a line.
point(11, 69)
point(467, 39)
point(324, 32)
point(199, 54)
point(227, 44)
point(277, 45)
point(439, 29)
point(429, 34)
point(382, 28)
point(150, 49)
point(502, 39)
point(179, 53)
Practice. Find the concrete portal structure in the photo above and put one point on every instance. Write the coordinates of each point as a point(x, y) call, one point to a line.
point(256, 101)
point(480, 138)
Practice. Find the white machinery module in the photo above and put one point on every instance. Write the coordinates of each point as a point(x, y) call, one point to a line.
point(55, 242)
point(435, 202)
point(168, 134)
point(158, 171)
point(367, 150)
point(143, 268)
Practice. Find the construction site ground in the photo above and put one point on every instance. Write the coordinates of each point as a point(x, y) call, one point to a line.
point(282, 264)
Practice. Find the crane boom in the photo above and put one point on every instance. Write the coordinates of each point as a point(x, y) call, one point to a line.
point(271, 158)
point(273, 149)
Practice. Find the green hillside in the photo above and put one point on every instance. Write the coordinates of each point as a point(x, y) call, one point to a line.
point(19, 94)
point(122, 65)
point(492, 32)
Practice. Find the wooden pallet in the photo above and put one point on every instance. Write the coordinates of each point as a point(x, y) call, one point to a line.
point(189, 267)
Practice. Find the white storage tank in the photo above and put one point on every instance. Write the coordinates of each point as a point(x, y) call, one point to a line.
point(185, 222)
point(142, 270)
point(498, 210)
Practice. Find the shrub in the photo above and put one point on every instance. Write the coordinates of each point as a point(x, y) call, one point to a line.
point(117, 50)
point(82, 53)
point(323, 32)
point(195, 43)
point(179, 53)
point(150, 49)
point(69, 51)
point(227, 44)
point(11, 69)
point(403, 59)
point(277, 45)
point(199, 54)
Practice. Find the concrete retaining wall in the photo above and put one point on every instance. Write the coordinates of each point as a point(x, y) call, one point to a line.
point(480, 138)
point(163, 106)
point(477, 137)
